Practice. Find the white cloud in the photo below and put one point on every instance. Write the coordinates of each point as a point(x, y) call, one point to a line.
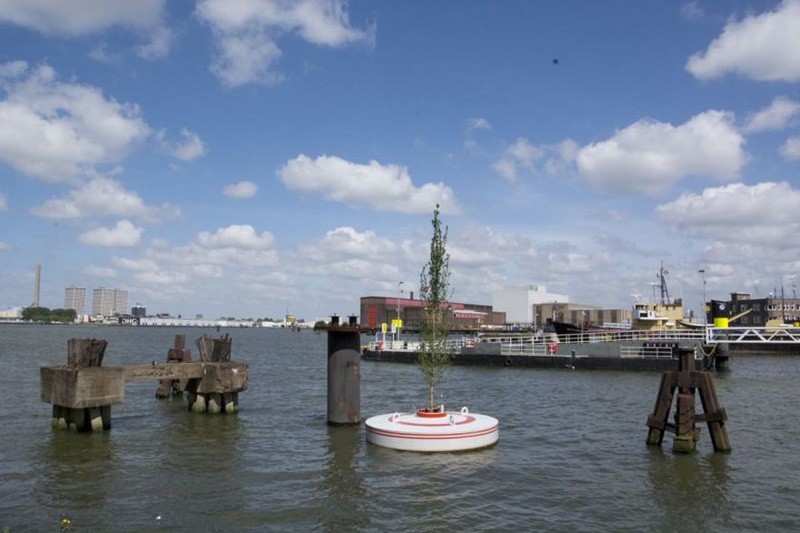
point(84, 17)
point(59, 132)
point(350, 243)
point(160, 43)
point(776, 116)
point(790, 150)
point(357, 258)
point(574, 262)
point(124, 234)
point(692, 11)
point(100, 272)
point(564, 154)
point(102, 54)
point(236, 236)
point(3, 202)
point(236, 255)
point(101, 197)
point(243, 189)
point(380, 187)
point(649, 157)
point(518, 157)
point(4, 246)
point(522, 157)
point(765, 47)
point(191, 147)
point(478, 124)
point(246, 32)
point(80, 17)
point(767, 212)
point(137, 265)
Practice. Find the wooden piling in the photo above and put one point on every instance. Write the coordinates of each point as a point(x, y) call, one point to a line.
point(686, 380)
point(177, 354)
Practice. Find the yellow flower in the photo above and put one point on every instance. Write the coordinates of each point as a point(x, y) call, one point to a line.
point(65, 522)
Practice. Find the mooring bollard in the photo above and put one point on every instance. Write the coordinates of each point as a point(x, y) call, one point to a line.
point(721, 315)
point(344, 372)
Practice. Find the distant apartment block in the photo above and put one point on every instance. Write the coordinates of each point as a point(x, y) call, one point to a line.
point(75, 298)
point(109, 302)
point(138, 310)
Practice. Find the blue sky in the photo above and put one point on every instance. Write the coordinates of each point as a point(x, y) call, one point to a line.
point(245, 158)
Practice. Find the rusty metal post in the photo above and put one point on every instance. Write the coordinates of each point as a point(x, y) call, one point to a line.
point(344, 373)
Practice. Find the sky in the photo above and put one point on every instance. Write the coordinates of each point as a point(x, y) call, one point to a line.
point(250, 158)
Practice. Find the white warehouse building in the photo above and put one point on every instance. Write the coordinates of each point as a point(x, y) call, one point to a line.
point(518, 302)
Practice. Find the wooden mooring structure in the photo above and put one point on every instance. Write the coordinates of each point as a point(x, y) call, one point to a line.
point(82, 392)
point(686, 381)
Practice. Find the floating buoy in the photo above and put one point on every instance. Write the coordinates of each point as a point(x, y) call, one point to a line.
point(425, 431)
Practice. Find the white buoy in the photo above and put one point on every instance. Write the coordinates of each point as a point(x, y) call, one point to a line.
point(424, 431)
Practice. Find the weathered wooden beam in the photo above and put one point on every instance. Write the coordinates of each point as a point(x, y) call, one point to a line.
point(223, 377)
point(214, 377)
point(99, 386)
point(658, 420)
point(715, 415)
point(82, 387)
point(134, 373)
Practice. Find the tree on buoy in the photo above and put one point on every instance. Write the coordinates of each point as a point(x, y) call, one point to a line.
point(434, 357)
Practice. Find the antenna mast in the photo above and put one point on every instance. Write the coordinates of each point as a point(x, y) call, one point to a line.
point(663, 280)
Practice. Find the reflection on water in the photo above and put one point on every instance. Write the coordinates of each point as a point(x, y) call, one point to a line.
point(342, 485)
point(694, 485)
point(74, 472)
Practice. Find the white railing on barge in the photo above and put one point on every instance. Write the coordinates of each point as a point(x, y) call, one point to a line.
point(738, 335)
point(646, 352)
point(707, 335)
point(453, 345)
point(644, 343)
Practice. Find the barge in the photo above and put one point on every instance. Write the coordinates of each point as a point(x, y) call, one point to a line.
point(654, 350)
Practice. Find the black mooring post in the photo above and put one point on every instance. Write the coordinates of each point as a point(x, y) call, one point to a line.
point(344, 373)
point(723, 353)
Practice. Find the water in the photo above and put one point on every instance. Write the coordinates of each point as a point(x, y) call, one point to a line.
point(571, 456)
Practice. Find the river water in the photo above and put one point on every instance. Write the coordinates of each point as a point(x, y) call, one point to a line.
point(571, 455)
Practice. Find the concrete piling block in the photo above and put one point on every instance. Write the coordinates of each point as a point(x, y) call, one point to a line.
point(214, 403)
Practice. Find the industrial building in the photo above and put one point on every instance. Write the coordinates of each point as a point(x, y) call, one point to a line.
point(518, 302)
point(580, 314)
point(379, 310)
point(762, 312)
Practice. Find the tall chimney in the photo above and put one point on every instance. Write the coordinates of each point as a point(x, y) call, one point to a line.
point(37, 286)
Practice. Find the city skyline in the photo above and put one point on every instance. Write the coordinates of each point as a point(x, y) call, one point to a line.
point(260, 158)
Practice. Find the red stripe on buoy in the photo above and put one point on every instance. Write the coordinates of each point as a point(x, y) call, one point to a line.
point(424, 436)
point(467, 420)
